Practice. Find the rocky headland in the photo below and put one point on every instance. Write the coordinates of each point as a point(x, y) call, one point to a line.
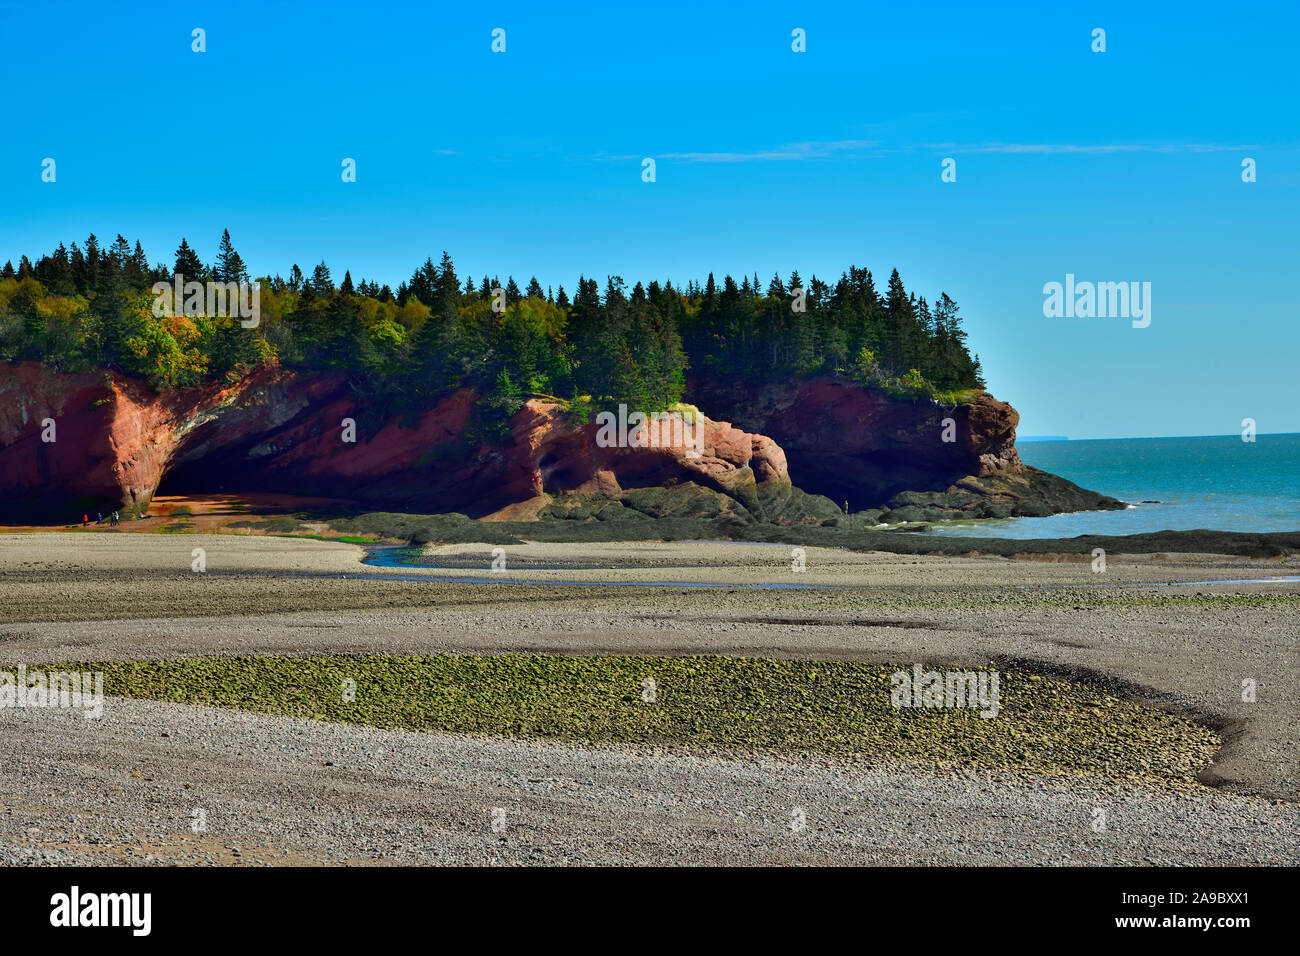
point(802, 453)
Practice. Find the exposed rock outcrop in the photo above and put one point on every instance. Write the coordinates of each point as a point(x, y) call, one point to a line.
point(276, 431)
point(71, 443)
point(908, 460)
point(116, 442)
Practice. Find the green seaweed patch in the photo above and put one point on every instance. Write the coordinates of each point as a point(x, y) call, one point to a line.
point(342, 539)
point(281, 524)
point(1045, 724)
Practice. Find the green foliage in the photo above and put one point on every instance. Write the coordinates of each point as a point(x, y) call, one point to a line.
point(895, 343)
point(83, 309)
point(957, 396)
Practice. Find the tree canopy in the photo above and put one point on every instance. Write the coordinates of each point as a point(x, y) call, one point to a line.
point(90, 307)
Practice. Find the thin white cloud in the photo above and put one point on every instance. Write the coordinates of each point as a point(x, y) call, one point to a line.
point(790, 151)
point(826, 149)
point(1085, 149)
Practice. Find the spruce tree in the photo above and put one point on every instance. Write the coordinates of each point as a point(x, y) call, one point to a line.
point(138, 266)
point(188, 263)
point(321, 283)
point(92, 268)
point(446, 290)
point(424, 283)
point(229, 266)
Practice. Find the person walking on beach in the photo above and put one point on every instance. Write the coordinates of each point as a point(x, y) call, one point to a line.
point(85, 520)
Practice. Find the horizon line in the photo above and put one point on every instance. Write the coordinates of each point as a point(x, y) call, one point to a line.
point(1051, 438)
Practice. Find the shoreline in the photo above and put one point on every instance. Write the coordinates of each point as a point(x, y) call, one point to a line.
point(385, 528)
point(142, 766)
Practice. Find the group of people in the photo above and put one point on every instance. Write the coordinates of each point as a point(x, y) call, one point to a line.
point(112, 519)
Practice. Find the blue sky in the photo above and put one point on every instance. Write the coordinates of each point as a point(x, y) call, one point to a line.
point(1115, 166)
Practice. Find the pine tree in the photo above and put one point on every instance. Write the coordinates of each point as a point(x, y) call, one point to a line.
point(229, 266)
point(188, 263)
point(92, 268)
point(321, 283)
point(138, 266)
point(119, 253)
point(424, 283)
point(446, 290)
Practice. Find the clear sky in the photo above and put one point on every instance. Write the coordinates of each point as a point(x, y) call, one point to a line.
point(1115, 166)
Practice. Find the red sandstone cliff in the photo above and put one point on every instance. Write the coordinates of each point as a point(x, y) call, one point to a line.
point(875, 451)
point(115, 442)
point(109, 443)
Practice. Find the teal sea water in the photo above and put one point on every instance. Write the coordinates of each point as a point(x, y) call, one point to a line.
point(1218, 484)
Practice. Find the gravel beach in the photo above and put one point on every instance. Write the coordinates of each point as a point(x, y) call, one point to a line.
point(124, 789)
point(285, 790)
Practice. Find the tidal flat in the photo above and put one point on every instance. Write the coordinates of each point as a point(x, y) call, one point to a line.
point(535, 664)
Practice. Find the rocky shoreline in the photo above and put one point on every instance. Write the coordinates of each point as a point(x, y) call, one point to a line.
point(457, 528)
point(818, 452)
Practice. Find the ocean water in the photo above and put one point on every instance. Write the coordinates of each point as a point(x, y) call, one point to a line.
point(1218, 483)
